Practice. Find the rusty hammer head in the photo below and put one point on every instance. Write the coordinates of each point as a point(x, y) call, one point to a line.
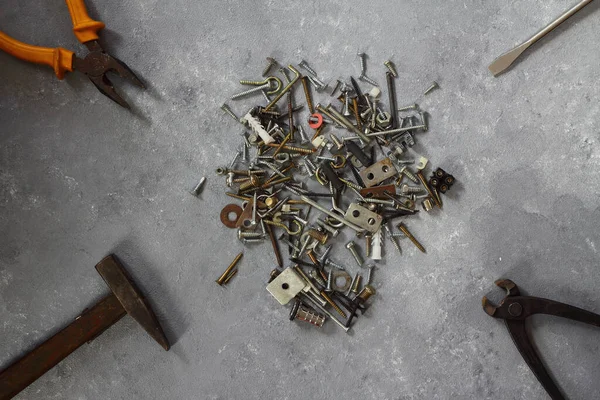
point(132, 300)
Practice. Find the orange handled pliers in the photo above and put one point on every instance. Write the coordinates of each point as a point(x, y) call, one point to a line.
point(95, 65)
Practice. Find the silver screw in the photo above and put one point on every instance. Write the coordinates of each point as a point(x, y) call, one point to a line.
point(433, 86)
point(329, 287)
point(303, 138)
point(229, 112)
point(317, 83)
point(391, 67)
point(253, 240)
point(271, 63)
point(336, 87)
point(377, 201)
point(323, 158)
point(408, 108)
point(411, 189)
point(352, 247)
point(423, 120)
point(346, 108)
point(249, 235)
point(304, 65)
point(337, 141)
point(370, 267)
point(363, 63)
point(365, 78)
point(250, 91)
point(392, 238)
point(329, 263)
point(232, 163)
point(198, 188)
point(408, 173)
point(323, 256)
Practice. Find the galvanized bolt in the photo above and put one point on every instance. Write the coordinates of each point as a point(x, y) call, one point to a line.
point(198, 188)
point(433, 86)
point(352, 247)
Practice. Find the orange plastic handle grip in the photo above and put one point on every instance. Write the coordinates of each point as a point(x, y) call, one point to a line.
point(85, 28)
point(61, 60)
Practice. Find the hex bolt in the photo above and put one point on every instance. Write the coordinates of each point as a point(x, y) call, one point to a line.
point(270, 64)
point(431, 88)
point(411, 189)
point(229, 112)
point(251, 91)
point(352, 247)
point(198, 188)
point(304, 65)
point(408, 173)
point(391, 67)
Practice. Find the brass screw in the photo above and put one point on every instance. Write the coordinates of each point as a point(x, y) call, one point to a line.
point(295, 149)
point(285, 140)
point(426, 185)
point(431, 88)
point(391, 67)
point(306, 87)
point(356, 284)
point(332, 304)
point(227, 272)
point(411, 237)
point(251, 182)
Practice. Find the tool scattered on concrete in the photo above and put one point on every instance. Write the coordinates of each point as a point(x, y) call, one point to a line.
point(360, 176)
point(502, 63)
point(514, 309)
point(95, 65)
point(124, 299)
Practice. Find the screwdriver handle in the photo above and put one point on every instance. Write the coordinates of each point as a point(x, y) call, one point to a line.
point(61, 60)
point(85, 28)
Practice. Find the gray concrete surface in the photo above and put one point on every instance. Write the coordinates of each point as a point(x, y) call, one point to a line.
point(81, 177)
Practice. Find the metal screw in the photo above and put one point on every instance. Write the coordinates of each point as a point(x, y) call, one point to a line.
point(271, 63)
point(336, 87)
point(337, 141)
point(370, 267)
point(411, 107)
point(433, 86)
point(253, 240)
point(329, 287)
point(198, 188)
point(251, 91)
point(391, 67)
point(303, 138)
point(330, 263)
point(365, 78)
point(249, 235)
point(408, 173)
point(363, 63)
point(351, 246)
point(356, 285)
point(304, 65)
point(411, 189)
point(231, 266)
point(392, 238)
point(411, 237)
point(229, 112)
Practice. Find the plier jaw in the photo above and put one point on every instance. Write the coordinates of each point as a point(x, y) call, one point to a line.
point(97, 63)
point(515, 309)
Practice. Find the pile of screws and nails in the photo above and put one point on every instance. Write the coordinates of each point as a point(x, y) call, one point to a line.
point(371, 167)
